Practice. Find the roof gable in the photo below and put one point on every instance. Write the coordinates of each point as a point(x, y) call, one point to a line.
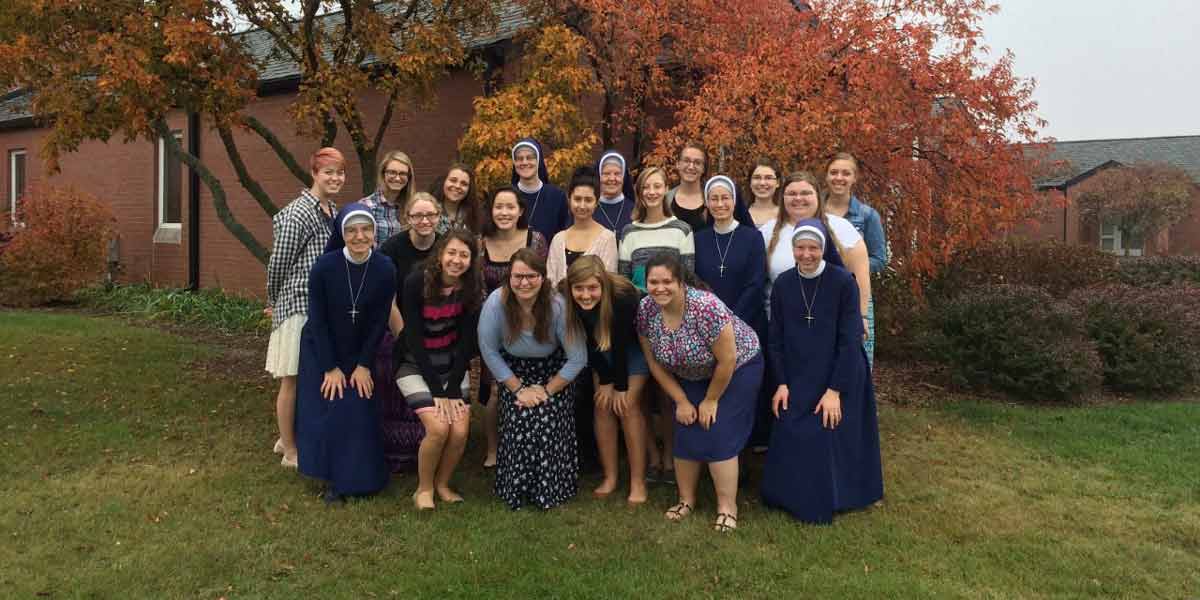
point(1085, 157)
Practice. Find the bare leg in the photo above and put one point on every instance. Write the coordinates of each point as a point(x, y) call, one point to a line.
point(428, 456)
point(634, 424)
point(687, 473)
point(606, 442)
point(285, 414)
point(654, 459)
point(491, 420)
point(451, 454)
point(725, 479)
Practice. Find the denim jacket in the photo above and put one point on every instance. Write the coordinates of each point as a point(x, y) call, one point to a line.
point(867, 221)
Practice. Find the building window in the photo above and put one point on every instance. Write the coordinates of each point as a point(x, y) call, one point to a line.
point(16, 180)
point(170, 185)
point(1113, 240)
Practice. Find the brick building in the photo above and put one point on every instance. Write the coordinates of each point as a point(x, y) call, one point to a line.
point(169, 233)
point(1083, 159)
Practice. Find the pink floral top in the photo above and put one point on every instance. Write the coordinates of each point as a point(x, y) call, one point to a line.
point(687, 351)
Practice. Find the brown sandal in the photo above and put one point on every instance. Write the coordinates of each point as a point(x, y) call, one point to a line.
point(679, 512)
point(725, 523)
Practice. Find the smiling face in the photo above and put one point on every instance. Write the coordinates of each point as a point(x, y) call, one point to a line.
point(690, 165)
point(456, 185)
point(582, 203)
point(720, 203)
point(587, 293)
point(800, 200)
point(662, 286)
point(654, 189)
point(506, 211)
point(841, 176)
point(763, 182)
point(423, 217)
point(360, 238)
point(328, 180)
point(525, 162)
point(396, 176)
point(455, 259)
point(525, 282)
point(807, 254)
point(610, 179)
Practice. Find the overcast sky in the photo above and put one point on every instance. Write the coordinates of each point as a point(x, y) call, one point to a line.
point(1106, 68)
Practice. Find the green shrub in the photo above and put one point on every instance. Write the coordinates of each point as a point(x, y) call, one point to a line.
point(901, 318)
point(1159, 270)
point(1053, 266)
point(1148, 338)
point(1016, 339)
point(209, 308)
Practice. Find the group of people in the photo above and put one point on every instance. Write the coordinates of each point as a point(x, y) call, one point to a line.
point(740, 323)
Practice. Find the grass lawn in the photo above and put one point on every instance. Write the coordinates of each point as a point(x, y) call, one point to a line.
point(137, 464)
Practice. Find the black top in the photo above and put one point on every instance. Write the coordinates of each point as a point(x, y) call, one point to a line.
point(436, 333)
point(697, 217)
point(404, 256)
point(572, 255)
point(624, 333)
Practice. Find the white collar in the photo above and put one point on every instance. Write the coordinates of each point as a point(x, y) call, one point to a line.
point(533, 189)
point(820, 269)
point(619, 198)
point(732, 225)
point(346, 253)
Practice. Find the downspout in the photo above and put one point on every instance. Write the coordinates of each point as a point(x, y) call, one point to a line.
point(193, 142)
point(1066, 209)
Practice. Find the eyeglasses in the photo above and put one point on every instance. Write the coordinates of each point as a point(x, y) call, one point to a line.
point(694, 162)
point(763, 178)
point(526, 277)
point(799, 194)
point(395, 174)
point(423, 217)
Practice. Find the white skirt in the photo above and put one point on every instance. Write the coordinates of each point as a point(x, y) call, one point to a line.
point(283, 351)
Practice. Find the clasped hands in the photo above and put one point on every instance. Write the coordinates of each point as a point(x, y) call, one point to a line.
point(335, 383)
point(705, 414)
point(529, 396)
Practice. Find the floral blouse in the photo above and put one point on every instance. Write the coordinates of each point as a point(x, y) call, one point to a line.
point(687, 351)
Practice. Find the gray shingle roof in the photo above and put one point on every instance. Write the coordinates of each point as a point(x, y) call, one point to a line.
point(1085, 155)
point(275, 67)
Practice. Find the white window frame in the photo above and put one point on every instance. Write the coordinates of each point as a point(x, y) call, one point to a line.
point(12, 180)
point(162, 184)
point(1118, 244)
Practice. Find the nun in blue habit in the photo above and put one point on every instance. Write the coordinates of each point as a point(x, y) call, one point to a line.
point(350, 291)
point(615, 207)
point(824, 450)
point(546, 205)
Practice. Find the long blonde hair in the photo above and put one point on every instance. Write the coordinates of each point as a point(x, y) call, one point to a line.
point(612, 285)
point(782, 217)
point(406, 194)
point(639, 205)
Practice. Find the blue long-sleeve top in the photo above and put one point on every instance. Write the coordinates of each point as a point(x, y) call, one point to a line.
point(492, 330)
point(742, 285)
point(547, 208)
point(340, 341)
point(868, 222)
point(825, 353)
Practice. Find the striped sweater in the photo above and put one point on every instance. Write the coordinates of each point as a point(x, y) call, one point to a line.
point(642, 241)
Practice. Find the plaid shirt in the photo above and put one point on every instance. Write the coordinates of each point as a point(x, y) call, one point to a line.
point(300, 232)
point(387, 216)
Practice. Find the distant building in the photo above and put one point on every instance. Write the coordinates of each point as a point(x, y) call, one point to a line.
point(1085, 158)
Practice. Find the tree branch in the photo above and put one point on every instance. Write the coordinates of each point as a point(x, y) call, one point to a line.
point(285, 155)
point(239, 167)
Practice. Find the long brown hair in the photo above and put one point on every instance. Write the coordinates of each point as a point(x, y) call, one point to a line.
point(469, 284)
point(768, 163)
point(639, 205)
point(782, 217)
point(470, 203)
point(612, 286)
point(543, 305)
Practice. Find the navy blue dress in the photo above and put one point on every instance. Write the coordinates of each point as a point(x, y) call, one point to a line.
point(339, 441)
point(813, 472)
point(547, 209)
point(742, 286)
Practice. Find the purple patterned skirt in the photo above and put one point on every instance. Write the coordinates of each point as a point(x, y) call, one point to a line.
point(402, 429)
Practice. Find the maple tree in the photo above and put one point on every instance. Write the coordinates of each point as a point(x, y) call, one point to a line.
point(902, 84)
point(544, 102)
point(1142, 199)
point(96, 69)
